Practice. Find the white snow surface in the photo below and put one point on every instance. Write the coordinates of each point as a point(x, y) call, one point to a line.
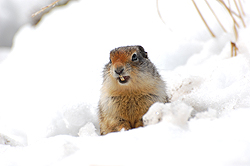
point(51, 79)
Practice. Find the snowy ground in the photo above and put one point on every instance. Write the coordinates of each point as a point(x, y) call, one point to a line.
point(51, 79)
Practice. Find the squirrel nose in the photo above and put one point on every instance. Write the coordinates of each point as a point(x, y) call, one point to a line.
point(119, 70)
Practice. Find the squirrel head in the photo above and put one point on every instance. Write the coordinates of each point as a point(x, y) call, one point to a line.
point(125, 62)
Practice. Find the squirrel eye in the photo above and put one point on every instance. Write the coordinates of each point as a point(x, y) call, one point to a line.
point(134, 57)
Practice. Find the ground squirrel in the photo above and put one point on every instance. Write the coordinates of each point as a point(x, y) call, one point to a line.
point(131, 84)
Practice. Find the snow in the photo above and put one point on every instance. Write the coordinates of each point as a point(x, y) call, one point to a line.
point(176, 113)
point(51, 78)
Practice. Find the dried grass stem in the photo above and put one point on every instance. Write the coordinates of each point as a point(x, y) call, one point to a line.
point(203, 19)
point(44, 8)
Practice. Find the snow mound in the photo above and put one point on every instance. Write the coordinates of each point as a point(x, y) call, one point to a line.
point(5, 140)
point(176, 113)
point(88, 130)
point(223, 86)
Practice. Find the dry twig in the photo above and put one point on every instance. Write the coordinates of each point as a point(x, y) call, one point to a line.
point(234, 21)
point(203, 19)
point(241, 8)
point(215, 16)
point(157, 6)
point(239, 13)
point(233, 49)
point(44, 8)
point(232, 14)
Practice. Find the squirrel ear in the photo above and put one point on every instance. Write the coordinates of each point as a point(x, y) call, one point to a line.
point(143, 52)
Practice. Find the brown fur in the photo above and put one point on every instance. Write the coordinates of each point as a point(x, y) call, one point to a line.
point(122, 105)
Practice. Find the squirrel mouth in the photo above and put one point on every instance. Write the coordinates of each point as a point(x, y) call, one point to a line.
point(123, 79)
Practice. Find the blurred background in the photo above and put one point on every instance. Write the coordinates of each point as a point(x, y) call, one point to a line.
point(16, 13)
point(175, 21)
